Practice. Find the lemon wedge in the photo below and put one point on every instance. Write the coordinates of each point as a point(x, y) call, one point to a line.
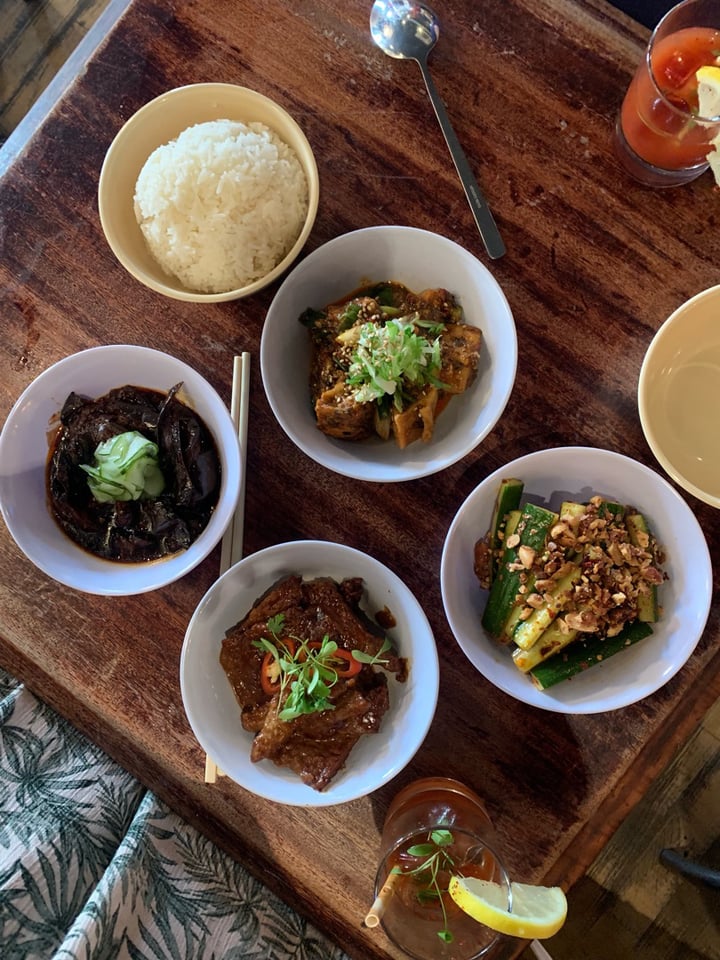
point(537, 912)
point(708, 81)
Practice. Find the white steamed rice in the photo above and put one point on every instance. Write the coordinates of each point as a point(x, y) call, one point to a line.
point(222, 204)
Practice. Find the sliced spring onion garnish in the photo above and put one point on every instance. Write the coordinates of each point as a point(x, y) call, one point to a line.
point(388, 355)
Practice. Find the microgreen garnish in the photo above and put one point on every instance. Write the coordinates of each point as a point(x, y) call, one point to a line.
point(304, 672)
point(372, 658)
point(436, 858)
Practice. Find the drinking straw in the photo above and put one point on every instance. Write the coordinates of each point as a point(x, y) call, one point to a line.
point(539, 950)
point(374, 914)
point(232, 542)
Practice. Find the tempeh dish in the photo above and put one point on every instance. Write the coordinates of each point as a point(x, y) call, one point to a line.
point(386, 362)
point(302, 666)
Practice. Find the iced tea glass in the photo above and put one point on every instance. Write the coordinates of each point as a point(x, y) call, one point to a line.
point(660, 138)
point(418, 914)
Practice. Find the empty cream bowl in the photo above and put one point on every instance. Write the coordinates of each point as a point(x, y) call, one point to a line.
point(679, 396)
point(157, 123)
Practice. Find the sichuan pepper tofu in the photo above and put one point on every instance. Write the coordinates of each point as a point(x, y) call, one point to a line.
point(386, 361)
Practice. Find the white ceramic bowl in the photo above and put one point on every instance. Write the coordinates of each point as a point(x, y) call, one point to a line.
point(24, 453)
point(155, 124)
point(578, 473)
point(213, 711)
point(679, 396)
point(420, 260)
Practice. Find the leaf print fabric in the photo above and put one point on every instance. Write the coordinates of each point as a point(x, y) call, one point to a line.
point(94, 867)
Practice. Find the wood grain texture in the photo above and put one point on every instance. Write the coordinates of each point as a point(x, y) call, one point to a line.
point(629, 905)
point(594, 265)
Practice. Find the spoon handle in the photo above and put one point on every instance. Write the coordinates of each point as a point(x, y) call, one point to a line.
point(478, 204)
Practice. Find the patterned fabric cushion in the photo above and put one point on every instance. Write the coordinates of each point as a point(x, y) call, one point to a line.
point(94, 867)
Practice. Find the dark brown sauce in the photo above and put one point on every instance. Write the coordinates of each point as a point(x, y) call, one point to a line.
point(134, 531)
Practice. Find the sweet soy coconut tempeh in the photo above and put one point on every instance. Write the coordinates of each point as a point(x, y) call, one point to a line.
point(567, 589)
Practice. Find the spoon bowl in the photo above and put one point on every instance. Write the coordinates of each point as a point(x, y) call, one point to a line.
point(409, 31)
point(406, 31)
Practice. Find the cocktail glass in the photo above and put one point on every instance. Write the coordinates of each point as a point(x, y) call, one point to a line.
point(442, 818)
point(660, 137)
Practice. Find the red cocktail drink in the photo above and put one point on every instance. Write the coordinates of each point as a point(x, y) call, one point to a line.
point(661, 137)
point(435, 828)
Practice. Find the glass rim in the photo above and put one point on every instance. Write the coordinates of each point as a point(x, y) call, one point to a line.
point(654, 37)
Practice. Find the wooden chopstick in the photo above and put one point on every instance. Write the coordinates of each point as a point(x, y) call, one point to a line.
point(232, 542)
point(238, 524)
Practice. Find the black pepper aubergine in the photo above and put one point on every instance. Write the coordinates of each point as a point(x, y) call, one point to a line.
point(133, 531)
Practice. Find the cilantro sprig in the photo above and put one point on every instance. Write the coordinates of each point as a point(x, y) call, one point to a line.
point(307, 671)
point(436, 859)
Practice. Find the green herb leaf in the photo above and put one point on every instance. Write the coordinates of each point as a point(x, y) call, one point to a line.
point(437, 858)
point(372, 658)
point(312, 317)
point(443, 838)
point(426, 896)
point(349, 315)
point(125, 467)
point(421, 850)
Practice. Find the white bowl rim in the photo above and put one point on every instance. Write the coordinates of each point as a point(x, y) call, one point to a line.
point(194, 296)
point(380, 472)
point(643, 405)
point(173, 567)
point(320, 558)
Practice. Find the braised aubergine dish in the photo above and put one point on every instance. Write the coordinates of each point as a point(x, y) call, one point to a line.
point(386, 361)
point(302, 666)
point(133, 475)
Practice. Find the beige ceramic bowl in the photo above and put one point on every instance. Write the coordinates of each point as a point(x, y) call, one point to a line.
point(679, 395)
point(160, 121)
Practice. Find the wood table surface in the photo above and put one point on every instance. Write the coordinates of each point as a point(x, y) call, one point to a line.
point(595, 263)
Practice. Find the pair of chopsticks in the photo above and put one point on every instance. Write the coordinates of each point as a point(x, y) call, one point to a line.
point(232, 542)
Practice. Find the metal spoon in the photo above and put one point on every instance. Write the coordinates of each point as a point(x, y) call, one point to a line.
point(409, 31)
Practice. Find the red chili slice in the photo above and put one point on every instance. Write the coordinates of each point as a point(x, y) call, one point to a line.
point(351, 668)
point(269, 671)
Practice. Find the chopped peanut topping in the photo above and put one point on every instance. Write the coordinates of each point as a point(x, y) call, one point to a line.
point(615, 572)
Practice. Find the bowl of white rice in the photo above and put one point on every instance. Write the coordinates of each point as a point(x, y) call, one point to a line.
point(208, 193)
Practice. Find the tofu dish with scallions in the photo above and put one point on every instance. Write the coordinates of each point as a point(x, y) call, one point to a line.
point(387, 361)
point(567, 589)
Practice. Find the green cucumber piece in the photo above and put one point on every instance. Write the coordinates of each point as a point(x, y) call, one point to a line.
point(514, 617)
point(532, 529)
point(585, 653)
point(528, 632)
point(572, 508)
point(639, 534)
point(507, 499)
point(615, 509)
point(550, 643)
